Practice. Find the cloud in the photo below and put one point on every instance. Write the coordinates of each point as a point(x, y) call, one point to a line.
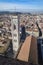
point(18, 7)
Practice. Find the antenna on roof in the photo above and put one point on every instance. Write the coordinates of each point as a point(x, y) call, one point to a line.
point(15, 8)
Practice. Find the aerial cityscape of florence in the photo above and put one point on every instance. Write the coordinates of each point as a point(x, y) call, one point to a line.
point(21, 32)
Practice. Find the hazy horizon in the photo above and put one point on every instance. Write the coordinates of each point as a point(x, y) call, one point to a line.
point(21, 5)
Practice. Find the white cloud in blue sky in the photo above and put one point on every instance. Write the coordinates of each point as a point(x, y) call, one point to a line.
point(21, 5)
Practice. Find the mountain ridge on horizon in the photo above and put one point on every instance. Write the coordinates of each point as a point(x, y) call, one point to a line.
point(17, 12)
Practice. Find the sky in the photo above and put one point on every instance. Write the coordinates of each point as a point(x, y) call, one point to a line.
point(21, 5)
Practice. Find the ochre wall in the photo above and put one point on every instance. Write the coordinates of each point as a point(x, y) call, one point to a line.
point(28, 51)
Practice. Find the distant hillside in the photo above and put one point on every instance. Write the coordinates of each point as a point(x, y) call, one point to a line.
point(8, 12)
